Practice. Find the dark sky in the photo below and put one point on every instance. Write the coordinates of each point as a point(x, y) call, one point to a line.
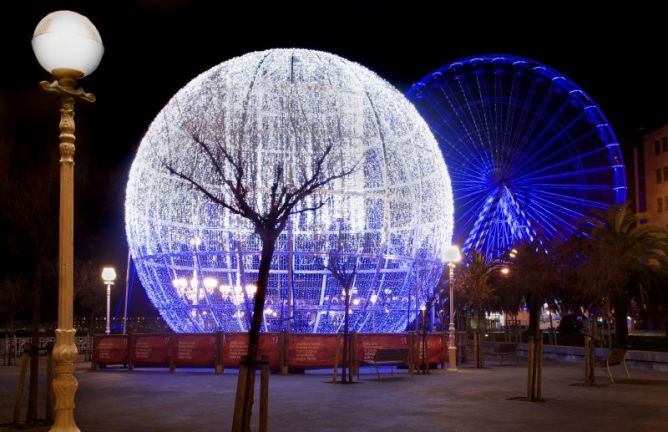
point(154, 47)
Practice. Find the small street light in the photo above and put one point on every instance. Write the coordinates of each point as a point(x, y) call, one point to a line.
point(452, 257)
point(69, 47)
point(108, 276)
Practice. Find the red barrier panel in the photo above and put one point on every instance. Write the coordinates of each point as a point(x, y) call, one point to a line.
point(150, 350)
point(311, 351)
point(194, 350)
point(111, 350)
point(270, 344)
point(367, 344)
point(435, 348)
point(235, 345)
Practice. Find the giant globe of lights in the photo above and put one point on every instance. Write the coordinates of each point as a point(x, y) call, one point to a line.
point(276, 110)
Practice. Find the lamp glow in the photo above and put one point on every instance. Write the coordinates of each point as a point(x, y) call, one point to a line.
point(67, 44)
point(109, 275)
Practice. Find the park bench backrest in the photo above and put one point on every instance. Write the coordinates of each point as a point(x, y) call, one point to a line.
point(616, 356)
point(391, 354)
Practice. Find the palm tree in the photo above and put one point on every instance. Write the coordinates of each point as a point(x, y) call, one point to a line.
point(619, 259)
point(476, 288)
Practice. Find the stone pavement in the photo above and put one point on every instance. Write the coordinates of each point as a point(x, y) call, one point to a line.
point(467, 400)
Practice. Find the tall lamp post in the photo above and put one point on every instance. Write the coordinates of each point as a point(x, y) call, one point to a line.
point(108, 276)
point(452, 257)
point(69, 47)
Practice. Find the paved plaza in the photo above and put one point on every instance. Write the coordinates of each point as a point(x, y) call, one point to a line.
point(486, 399)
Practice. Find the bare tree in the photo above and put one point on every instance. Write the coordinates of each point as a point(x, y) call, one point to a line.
point(533, 272)
point(88, 293)
point(237, 186)
point(29, 202)
point(477, 288)
point(343, 266)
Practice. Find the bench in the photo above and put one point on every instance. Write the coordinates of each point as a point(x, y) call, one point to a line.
point(503, 349)
point(615, 357)
point(390, 357)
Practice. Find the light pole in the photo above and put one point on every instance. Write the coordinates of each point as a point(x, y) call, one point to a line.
point(108, 276)
point(452, 257)
point(69, 47)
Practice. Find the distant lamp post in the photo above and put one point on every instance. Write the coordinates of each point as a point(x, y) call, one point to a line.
point(108, 276)
point(69, 47)
point(452, 257)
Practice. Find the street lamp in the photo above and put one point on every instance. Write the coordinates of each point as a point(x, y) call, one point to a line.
point(452, 257)
point(69, 47)
point(108, 276)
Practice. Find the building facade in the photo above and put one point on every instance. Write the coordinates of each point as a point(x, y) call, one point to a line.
point(654, 163)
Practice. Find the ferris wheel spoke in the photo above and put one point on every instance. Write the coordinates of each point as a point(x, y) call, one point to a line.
point(548, 145)
point(569, 149)
point(537, 169)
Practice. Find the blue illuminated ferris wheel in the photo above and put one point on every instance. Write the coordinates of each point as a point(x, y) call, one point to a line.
point(528, 151)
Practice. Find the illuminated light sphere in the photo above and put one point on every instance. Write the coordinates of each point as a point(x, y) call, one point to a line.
point(529, 152)
point(277, 108)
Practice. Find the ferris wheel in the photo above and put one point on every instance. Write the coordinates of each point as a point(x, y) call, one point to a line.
point(528, 151)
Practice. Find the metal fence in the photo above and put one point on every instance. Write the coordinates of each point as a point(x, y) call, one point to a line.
point(11, 347)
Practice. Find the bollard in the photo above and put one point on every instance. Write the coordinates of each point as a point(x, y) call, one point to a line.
point(264, 393)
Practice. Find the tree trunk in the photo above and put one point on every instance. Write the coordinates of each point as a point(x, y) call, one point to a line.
point(535, 352)
point(268, 245)
point(477, 340)
point(31, 416)
point(346, 347)
point(534, 319)
point(621, 330)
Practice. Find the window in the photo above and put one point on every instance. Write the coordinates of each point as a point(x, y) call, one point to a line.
point(664, 144)
point(658, 176)
point(665, 173)
point(659, 204)
point(657, 147)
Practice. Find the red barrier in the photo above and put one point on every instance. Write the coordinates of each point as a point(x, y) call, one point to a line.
point(311, 351)
point(367, 344)
point(150, 350)
point(270, 344)
point(110, 350)
point(235, 345)
point(194, 350)
point(435, 349)
point(303, 350)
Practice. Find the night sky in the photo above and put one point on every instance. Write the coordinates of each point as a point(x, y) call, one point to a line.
point(154, 47)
